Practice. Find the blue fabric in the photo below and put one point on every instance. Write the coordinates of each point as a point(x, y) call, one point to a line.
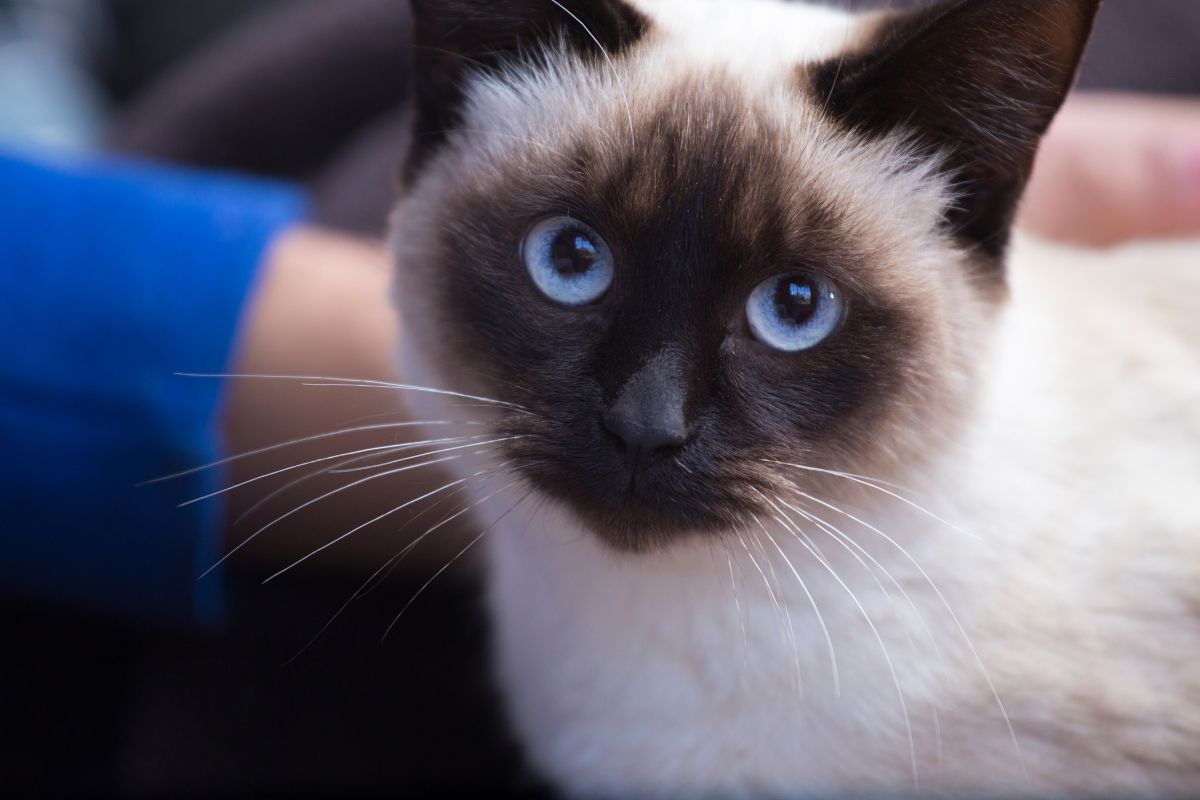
point(113, 278)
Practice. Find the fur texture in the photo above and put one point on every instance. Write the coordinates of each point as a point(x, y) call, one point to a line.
point(753, 616)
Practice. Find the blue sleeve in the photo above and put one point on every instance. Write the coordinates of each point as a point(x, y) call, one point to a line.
point(113, 278)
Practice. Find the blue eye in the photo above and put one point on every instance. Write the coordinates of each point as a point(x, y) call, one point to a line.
point(794, 312)
point(569, 262)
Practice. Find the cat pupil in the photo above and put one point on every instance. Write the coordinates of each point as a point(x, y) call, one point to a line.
point(573, 253)
point(795, 299)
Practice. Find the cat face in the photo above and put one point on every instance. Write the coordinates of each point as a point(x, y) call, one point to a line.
point(706, 277)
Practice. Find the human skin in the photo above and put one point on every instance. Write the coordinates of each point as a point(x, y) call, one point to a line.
point(321, 308)
point(1113, 168)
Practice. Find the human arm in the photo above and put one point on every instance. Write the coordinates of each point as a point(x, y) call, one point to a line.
point(323, 308)
point(114, 277)
point(1118, 167)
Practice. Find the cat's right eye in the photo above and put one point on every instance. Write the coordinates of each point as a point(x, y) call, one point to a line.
point(568, 261)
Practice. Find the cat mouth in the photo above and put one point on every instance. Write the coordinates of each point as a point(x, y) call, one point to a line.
point(641, 473)
point(632, 503)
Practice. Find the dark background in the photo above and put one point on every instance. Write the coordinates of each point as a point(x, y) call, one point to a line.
point(313, 92)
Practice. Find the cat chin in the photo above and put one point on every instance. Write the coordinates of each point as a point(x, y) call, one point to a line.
point(649, 524)
point(633, 534)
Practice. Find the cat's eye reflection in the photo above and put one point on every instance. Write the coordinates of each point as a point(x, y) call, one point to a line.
point(793, 313)
point(569, 262)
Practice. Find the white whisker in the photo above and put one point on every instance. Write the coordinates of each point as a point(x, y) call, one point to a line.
point(457, 556)
point(367, 524)
point(387, 448)
point(833, 664)
point(314, 501)
point(304, 440)
point(336, 469)
point(797, 530)
point(953, 616)
point(454, 449)
point(346, 469)
point(611, 65)
point(737, 606)
point(912, 745)
point(873, 485)
point(862, 556)
point(774, 597)
point(387, 567)
point(851, 546)
point(320, 380)
point(267, 498)
point(394, 562)
point(848, 542)
point(320, 383)
point(790, 628)
point(447, 520)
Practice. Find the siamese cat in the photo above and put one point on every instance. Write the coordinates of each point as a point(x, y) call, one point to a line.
point(812, 478)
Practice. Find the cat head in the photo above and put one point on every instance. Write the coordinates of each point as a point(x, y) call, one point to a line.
point(718, 251)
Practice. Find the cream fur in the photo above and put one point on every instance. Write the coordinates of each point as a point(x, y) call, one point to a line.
point(1066, 539)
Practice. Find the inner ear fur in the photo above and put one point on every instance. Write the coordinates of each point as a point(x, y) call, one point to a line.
point(458, 38)
point(978, 81)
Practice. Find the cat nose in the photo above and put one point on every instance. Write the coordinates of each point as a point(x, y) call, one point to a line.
point(648, 416)
point(642, 437)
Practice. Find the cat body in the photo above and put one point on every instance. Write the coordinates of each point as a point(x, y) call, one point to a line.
point(950, 548)
point(1071, 561)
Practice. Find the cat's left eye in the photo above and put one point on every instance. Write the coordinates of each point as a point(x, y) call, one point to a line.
point(569, 262)
point(793, 313)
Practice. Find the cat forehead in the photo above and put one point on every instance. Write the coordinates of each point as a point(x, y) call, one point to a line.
point(759, 46)
point(701, 68)
point(753, 35)
point(657, 122)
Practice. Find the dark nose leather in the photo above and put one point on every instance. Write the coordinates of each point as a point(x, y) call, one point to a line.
point(648, 416)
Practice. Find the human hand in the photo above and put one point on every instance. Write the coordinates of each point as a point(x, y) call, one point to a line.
point(322, 308)
point(1115, 168)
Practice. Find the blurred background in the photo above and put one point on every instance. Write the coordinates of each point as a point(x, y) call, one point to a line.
point(312, 92)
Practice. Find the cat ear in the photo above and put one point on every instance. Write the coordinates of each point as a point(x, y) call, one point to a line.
point(458, 38)
point(977, 80)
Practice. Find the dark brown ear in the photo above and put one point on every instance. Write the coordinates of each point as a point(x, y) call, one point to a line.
point(458, 38)
point(978, 80)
